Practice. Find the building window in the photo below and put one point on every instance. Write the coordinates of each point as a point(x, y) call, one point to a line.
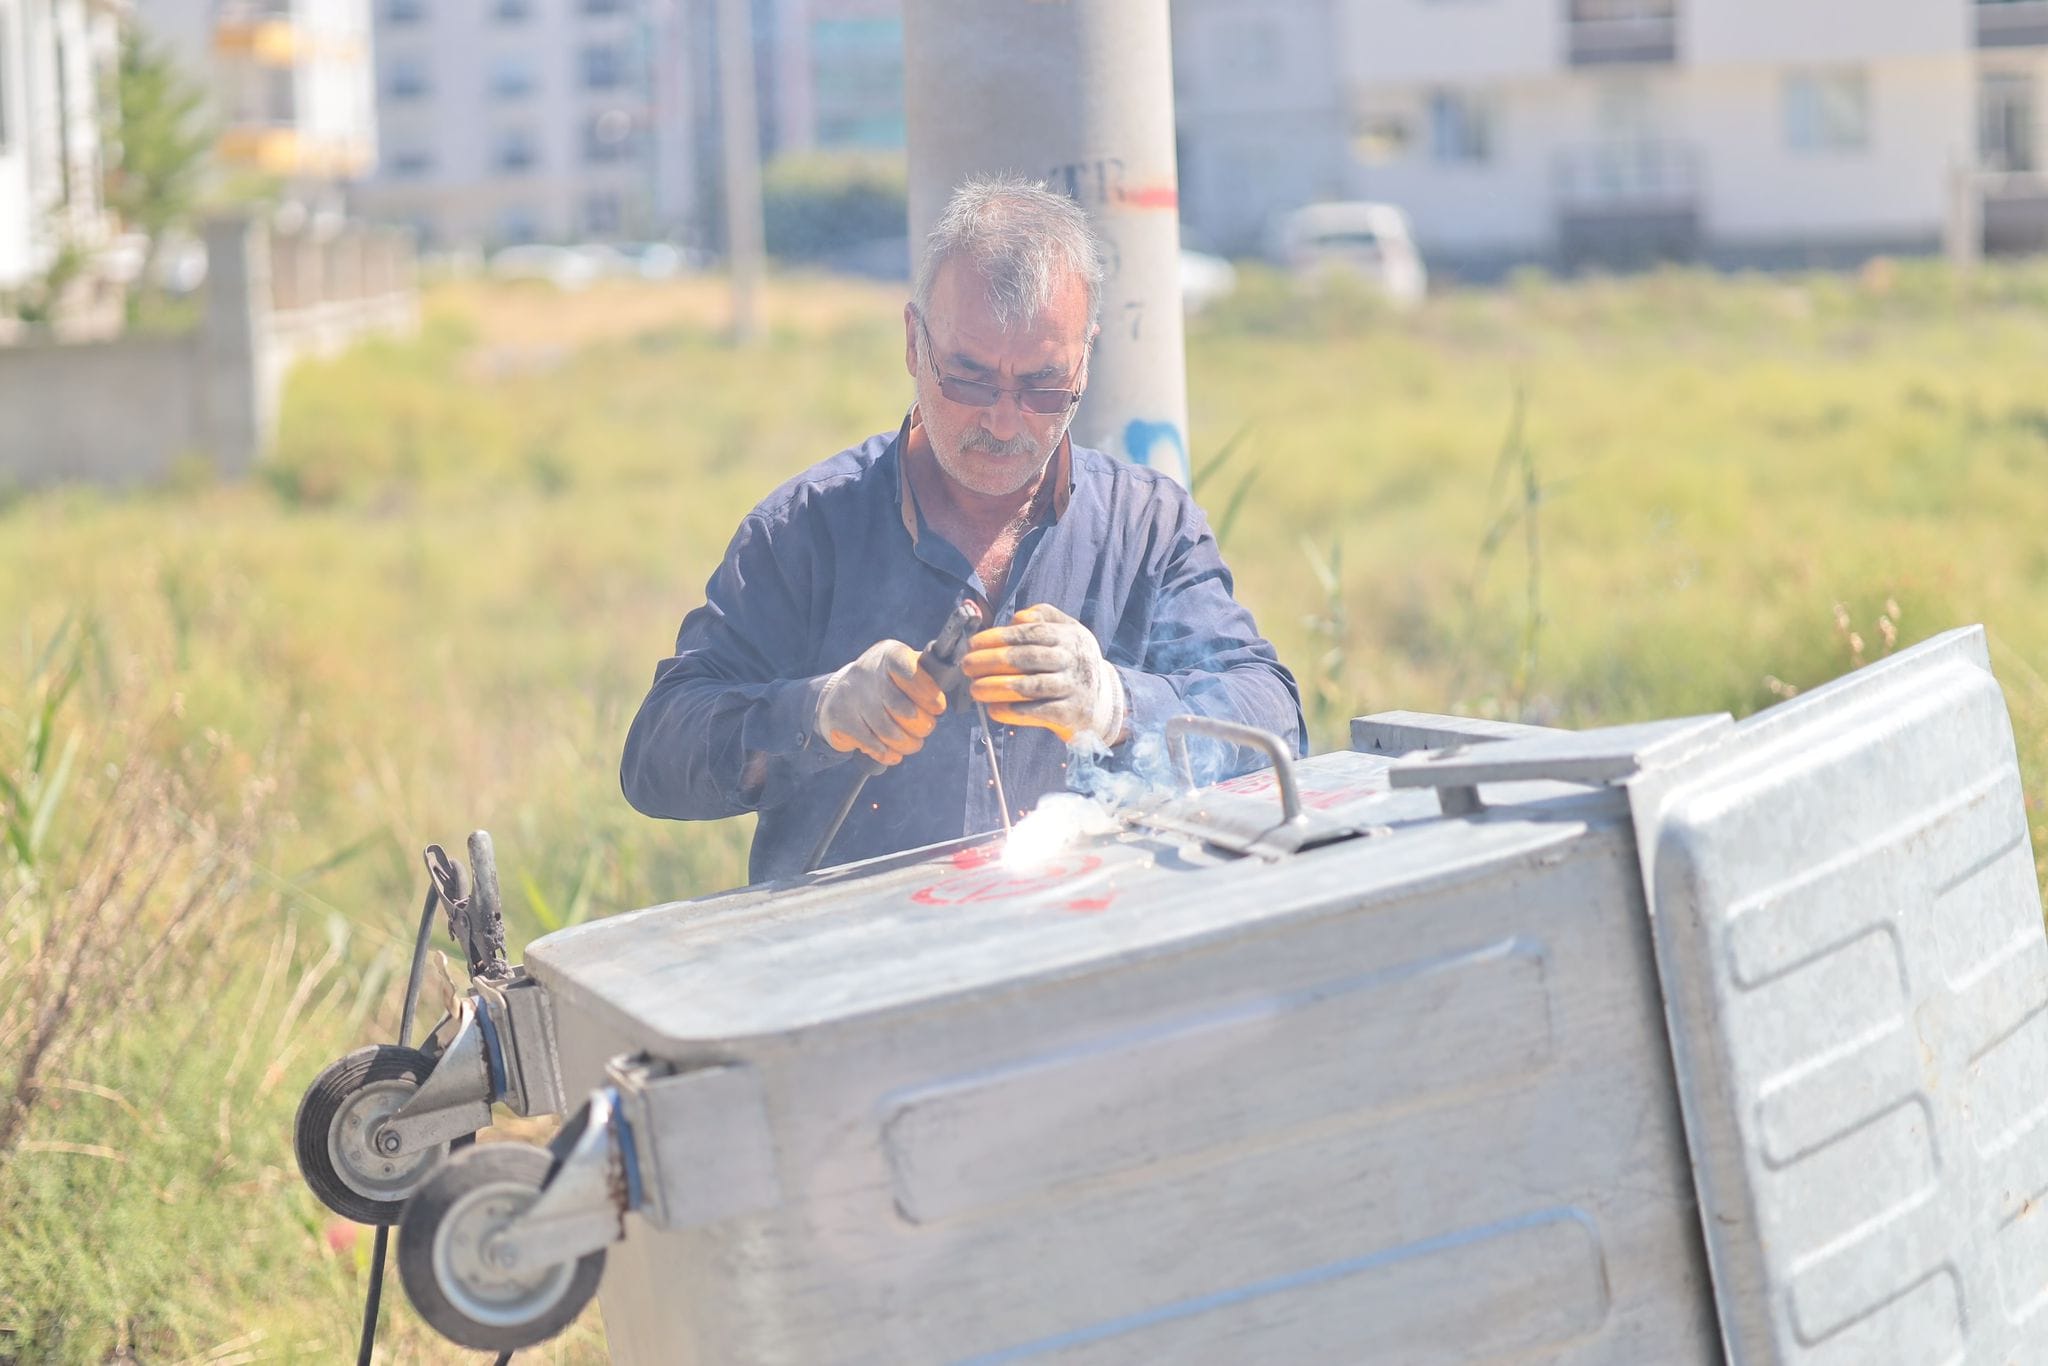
point(512, 11)
point(2006, 122)
point(512, 76)
point(514, 152)
point(408, 79)
point(411, 163)
point(857, 82)
point(403, 13)
point(1827, 112)
point(604, 66)
point(1622, 11)
point(601, 214)
point(608, 137)
point(517, 223)
point(1380, 139)
point(1460, 129)
point(604, 6)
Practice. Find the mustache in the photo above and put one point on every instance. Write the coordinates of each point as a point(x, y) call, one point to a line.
point(982, 443)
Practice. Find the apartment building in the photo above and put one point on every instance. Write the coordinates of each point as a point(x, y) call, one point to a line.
point(53, 56)
point(291, 82)
point(1619, 131)
point(1260, 115)
point(836, 81)
point(531, 120)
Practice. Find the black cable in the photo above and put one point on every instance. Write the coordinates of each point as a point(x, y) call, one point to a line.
point(376, 1293)
point(405, 1015)
point(419, 966)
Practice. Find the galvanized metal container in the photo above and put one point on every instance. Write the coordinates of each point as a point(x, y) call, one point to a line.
point(1665, 1043)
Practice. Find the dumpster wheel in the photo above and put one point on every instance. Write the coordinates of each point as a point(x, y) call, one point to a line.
point(338, 1118)
point(463, 1287)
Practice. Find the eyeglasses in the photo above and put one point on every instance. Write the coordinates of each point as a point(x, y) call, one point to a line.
point(973, 393)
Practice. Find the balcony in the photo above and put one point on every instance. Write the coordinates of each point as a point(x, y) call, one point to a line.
point(1627, 204)
point(1615, 32)
point(2012, 23)
point(2014, 212)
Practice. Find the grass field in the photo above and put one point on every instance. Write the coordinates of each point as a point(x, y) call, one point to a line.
point(230, 715)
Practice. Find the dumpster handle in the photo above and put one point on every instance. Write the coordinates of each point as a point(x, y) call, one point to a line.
point(1179, 727)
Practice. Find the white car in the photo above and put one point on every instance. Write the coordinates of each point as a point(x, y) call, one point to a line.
point(1204, 279)
point(1367, 239)
point(567, 268)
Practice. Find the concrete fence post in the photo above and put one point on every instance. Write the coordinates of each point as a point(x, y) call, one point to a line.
point(1964, 228)
point(238, 400)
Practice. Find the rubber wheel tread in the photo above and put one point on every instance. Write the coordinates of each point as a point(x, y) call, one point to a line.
point(487, 1164)
point(336, 1084)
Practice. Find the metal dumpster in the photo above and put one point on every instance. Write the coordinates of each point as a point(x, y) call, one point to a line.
point(1675, 1042)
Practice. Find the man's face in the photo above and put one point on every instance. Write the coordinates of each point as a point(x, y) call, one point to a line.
point(999, 449)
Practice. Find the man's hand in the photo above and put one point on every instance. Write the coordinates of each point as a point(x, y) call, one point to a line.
point(1045, 669)
point(881, 704)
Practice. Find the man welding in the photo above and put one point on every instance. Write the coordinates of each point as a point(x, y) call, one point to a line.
point(1110, 608)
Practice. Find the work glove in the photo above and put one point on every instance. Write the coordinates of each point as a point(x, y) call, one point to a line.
point(1045, 669)
point(881, 704)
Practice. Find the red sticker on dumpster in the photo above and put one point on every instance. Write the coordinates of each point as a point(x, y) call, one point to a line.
point(993, 882)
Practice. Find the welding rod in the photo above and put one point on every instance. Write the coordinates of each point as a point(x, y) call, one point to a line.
point(995, 772)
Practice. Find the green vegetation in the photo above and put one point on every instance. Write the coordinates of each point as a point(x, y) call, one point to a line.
point(230, 715)
point(816, 204)
point(159, 153)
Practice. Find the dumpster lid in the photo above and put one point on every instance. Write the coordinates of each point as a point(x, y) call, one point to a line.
point(951, 919)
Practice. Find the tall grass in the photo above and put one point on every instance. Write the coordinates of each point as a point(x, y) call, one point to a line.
point(438, 605)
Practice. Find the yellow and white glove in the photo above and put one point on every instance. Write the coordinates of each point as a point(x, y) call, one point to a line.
point(1046, 669)
point(881, 704)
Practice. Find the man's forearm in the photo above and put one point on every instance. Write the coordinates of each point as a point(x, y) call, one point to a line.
point(701, 747)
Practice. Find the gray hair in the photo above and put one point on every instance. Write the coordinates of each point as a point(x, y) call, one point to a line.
point(1023, 239)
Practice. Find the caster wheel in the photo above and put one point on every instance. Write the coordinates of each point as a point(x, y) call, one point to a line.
point(449, 1273)
point(337, 1116)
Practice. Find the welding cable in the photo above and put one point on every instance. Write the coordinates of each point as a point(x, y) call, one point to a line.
point(405, 1018)
point(867, 768)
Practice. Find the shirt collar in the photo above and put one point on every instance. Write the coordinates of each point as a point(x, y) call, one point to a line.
point(906, 497)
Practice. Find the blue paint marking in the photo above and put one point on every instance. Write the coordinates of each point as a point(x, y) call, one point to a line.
point(1316, 1275)
point(1143, 442)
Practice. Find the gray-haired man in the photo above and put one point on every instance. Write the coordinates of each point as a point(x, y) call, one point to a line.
point(1114, 607)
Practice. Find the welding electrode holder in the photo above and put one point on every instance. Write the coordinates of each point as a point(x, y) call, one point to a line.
point(940, 660)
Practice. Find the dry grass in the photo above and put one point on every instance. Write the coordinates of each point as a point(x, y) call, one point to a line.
point(438, 607)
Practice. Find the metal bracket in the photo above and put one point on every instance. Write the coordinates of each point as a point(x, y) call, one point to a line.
point(526, 1043)
point(583, 1206)
point(705, 1151)
point(1594, 758)
point(454, 1100)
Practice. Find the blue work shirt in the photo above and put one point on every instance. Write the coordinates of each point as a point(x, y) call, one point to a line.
point(838, 558)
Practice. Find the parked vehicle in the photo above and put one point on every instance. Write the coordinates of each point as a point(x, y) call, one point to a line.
point(1370, 240)
point(1204, 279)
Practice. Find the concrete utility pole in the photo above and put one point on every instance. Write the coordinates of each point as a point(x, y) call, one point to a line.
point(1079, 93)
point(742, 130)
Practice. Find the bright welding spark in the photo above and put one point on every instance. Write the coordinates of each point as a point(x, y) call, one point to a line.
point(1062, 820)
